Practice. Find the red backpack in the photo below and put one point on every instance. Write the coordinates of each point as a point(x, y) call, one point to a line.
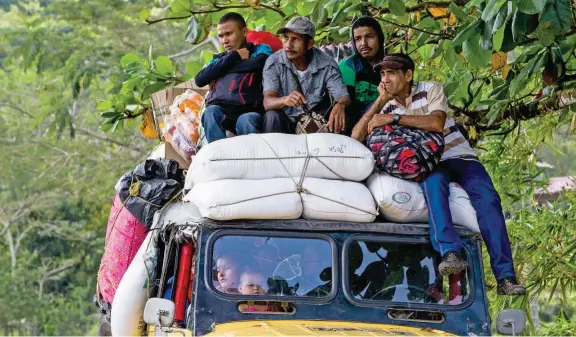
point(263, 37)
point(406, 153)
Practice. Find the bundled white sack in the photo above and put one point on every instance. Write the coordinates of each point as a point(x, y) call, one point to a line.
point(337, 200)
point(403, 201)
point(131, 296)
point(279, 198)
point(231, 199)
point(274, 155)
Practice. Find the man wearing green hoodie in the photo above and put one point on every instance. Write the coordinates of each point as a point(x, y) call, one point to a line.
point(357, 71)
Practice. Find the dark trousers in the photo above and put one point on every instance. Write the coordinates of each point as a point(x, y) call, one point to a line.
point(276, 121)
point(474, 179)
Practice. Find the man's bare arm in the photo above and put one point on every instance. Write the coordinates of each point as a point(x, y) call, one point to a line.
point(360, 130)
point(433, 122)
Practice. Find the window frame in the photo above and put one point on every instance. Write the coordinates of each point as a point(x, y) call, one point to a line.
point(399, 305)
point(273, 234)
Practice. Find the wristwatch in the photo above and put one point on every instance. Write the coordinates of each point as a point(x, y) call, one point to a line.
point(396, 119)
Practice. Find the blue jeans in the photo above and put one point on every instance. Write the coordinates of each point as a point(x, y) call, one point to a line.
point(472, 176)
point(214, 116)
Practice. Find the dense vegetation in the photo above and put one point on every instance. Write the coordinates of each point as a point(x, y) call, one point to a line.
point(508, 68)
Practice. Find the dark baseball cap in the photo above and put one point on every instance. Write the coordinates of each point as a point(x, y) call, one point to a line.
point(396, 61)
point(299, 24)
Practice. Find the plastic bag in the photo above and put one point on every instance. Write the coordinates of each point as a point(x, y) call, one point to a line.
point(181, 127)
point(149, 187)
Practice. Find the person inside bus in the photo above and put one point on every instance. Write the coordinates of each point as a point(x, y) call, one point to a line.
point(423, 105)
point(227, 274)
point(234, 102)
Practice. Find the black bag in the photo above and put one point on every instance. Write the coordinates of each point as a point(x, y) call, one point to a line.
point(406, 153)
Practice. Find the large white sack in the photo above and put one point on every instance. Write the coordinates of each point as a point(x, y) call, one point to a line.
point(278, 198)
point(337, 200)
point(275, 155)
point(403, 201)
point(126, 318)
point(232, 199)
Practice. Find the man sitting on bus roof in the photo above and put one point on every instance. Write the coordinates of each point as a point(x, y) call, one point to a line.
point(423, 105)
point(235, 100)
point(301, 75)
point(358, 72)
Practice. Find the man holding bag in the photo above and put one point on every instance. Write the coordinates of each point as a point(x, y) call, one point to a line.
point(423, 106)
point(303, 87)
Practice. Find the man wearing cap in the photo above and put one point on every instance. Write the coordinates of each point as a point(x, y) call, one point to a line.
point(423, 105)
point(300, 65)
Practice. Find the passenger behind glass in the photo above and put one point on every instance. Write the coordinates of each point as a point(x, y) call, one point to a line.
point(252, 283)
point(227, 275)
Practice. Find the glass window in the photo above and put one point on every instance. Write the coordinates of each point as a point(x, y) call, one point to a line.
point(401, 272)
point(277, 266)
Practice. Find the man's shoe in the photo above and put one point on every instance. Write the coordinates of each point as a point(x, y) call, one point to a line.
point(509, 286)
point(452, 263)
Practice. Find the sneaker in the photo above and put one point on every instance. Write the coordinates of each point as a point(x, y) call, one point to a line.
point(509, 286)
point(452, 263)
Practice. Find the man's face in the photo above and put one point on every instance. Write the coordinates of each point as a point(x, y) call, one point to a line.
point(231, 36)
point(395, 80)
point(366, 41)
point(295, 46)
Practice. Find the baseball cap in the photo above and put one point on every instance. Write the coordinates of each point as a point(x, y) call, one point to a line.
point(396, 61)
point(299, 24)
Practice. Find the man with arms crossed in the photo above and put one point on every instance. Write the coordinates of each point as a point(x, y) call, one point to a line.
point(423, 105)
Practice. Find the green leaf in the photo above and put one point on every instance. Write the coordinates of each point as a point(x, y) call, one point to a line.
point(554, 20)
point(397, 7)
point(143, 15)
point(318, 14)
point(129, 58)
point(164, 65)
point(500, 19)
point(530, 6)
point(520, 81)
point(498, 38)
point(475, 54)
point(336, 16)
point(492, 9)
point(459, 12)
point(426, 52)
point(523, 24)
point(106, 126)
point(155, 87)
point(508, 43)
point(466, 33)
point(486, 40)
point(181, 6)
point(110, 114)
point(193, 68)
point(422, 38)
point(193, 31)
point(104, 105)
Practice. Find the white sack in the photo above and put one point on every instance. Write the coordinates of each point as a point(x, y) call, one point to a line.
point(247, 199)
point(274, 155)
point(278, 198)
point(337, 200)
point(403, 201)
point(131, 296)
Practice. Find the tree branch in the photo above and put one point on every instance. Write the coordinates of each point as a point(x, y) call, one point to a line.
point(417, 7)
point(447, 36)
point(212, 40)
point(108, 140)
point(15, 107)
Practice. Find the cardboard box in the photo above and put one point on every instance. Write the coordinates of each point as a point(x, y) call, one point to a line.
point(162, 100)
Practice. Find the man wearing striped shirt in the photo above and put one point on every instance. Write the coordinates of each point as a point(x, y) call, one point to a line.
point(423, 105)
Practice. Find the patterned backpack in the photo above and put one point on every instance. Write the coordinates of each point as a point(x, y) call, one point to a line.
point(406, 153)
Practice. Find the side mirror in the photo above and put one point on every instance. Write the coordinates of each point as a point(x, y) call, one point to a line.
point(159, 311)
point(511, 322)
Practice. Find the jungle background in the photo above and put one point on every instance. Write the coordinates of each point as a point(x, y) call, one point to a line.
point(76, 76)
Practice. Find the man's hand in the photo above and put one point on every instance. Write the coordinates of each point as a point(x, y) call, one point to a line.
point(295, 99)
point(378, 121)
point(337, 120)
point(244, 53)
point(383, 93)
